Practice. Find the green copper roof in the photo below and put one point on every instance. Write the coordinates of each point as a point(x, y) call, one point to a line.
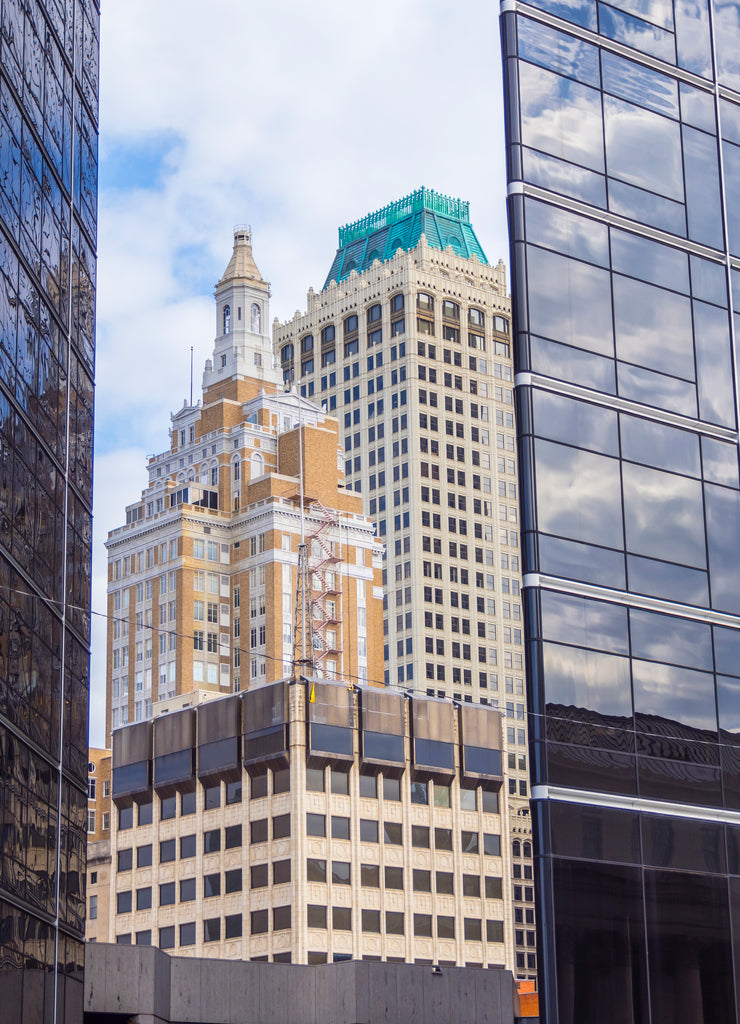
point(399, 225)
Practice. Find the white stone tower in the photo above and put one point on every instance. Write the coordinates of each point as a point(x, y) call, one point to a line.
point(243, 346)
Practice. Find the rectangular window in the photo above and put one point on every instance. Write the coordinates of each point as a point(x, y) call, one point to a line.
point(281, 826)
point(371, 921)
point(422, 880)
point(167, 851)
point(211, 885)
point(258, 831)
point(443, 838)
point(393, 878)
point(259, 922)
point(368, 830)
point(212, 841)
point(469, 842)
point(339, 827)
point(341, 872)
point(316, 870)
point(280, 918)
point(491, 845)
point(370, 876)
point(316, 824)
point(167, 894)
point(258, 876)
point(316, 916)
point(281, 872)
point(394, 922)
point(420, 836)
point(393, 833)
point(341, 919)
point(187, 847)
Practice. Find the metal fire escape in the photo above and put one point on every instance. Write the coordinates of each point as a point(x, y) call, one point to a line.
point(317, 616)
point(326, 595)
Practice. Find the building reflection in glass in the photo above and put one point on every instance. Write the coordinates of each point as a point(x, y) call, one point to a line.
point(624, 208)
point(48, 208)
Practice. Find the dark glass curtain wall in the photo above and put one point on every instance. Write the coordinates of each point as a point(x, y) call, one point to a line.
point(48, 209)
point(623, 147)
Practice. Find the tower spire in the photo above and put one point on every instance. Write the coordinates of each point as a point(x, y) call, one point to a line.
point(243, 345)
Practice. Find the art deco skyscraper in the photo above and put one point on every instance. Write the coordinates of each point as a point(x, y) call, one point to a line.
point(408, 345)
point(623, 161)
point(202, 577)
point(48, 208)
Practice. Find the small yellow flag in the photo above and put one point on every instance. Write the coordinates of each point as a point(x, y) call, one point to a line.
point(312, 698)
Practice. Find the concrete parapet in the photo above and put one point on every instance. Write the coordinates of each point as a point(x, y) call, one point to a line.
point(150, 987)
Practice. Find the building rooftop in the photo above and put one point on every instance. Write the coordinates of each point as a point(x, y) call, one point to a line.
point(443, 221)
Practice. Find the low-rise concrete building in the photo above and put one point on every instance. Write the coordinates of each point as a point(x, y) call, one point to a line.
point(146, 986)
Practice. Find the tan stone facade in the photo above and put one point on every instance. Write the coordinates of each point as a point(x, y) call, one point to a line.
point(306, 843)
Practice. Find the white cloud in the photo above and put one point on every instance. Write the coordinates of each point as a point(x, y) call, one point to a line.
point(293, 117)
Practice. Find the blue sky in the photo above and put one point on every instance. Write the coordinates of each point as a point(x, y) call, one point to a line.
point(292, 117)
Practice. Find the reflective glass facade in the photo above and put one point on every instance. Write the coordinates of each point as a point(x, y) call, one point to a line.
point(48, 200)
point(623, 144)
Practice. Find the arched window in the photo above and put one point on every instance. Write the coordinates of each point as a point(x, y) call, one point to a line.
point(256, 319)
point(527, 849)
point(214, 474)
point(204, 473)
point(258, 464)
point(516, 848)
point(227, 318)
point(237, 467)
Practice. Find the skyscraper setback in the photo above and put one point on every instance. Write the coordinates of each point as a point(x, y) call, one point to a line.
point(48, 208)
point(623, 162)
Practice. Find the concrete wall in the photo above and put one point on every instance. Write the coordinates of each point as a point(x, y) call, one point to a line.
point(153, 988)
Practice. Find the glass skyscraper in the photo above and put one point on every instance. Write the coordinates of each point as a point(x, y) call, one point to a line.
point(48, 209)
point(623, 144)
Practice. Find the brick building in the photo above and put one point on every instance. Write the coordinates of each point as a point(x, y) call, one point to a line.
point(203, 575)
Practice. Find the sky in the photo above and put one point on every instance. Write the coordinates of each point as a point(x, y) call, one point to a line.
point(292, 117)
